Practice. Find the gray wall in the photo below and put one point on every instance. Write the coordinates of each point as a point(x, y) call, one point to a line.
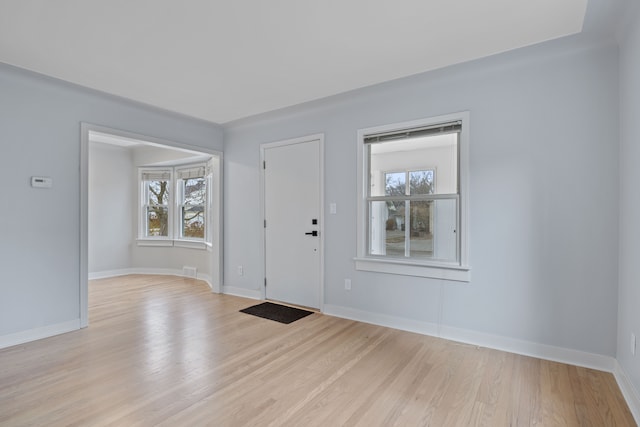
point(40, 135)
point(113, 213)
point(175, 258)
point(629, 285)
point(543, 205)
point(544, 199)
point(112, 196)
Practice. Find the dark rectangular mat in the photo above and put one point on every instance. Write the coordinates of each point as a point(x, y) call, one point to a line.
point(277, 312)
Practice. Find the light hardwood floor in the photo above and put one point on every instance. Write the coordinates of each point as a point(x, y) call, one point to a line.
point(164, 350)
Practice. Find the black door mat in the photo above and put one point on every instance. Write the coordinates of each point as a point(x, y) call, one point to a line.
point(277, 312)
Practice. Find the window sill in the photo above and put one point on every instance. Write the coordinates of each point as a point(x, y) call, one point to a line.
point(189, 244)
point(455, 273)
point(154, 242)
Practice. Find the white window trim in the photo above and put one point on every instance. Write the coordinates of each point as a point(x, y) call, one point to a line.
point(154, 241)
point(173, 239)
point(191, 242)
point(407, 171)
point(432, 269)
point(143, 239)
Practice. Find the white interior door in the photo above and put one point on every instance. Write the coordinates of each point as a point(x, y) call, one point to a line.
point(293, 223)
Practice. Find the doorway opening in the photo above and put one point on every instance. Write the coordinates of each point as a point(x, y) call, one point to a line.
point(129, 226)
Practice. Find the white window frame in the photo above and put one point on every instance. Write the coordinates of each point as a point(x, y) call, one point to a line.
point(456, 271)
point(179, 184)
point(407, 172)
point(174, 237)
point(143, 204)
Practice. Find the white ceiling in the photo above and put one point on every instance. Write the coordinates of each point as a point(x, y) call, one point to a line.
point(221, 60)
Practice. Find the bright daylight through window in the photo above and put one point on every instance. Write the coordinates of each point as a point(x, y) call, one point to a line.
point(174, 204)
point(413, 206)
point(192, 200)
point(156, 185)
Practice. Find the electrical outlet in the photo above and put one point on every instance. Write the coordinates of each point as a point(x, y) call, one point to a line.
point(633, 344)
point(240, 271)
point(347, 284)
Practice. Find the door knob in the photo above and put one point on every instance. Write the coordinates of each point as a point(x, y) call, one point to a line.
point(312, 233)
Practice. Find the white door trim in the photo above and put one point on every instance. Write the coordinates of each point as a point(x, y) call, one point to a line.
point(216, 265)
point(315, 137)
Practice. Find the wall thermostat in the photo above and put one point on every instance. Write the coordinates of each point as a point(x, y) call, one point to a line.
point(41, 182)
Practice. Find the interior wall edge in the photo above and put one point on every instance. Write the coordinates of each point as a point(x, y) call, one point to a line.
point(34, 334)
point(629, 392)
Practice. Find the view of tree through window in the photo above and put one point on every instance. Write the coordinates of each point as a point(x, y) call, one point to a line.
point(421, 182)
point(192, 209)
point(158, 208)
point(413, 194)
point(412, 205)
point(174, 203)
point(419, 214)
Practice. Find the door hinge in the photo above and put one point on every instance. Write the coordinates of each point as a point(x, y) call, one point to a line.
point(265, 223)
point(265, 282)
point(264, 164)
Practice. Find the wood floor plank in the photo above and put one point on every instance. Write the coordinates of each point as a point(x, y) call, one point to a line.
point(164, 350)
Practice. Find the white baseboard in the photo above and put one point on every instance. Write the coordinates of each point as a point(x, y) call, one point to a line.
point(528, 348)
point(242, 292)
point(126, 271)
point(629, 392)
point(540, 351)
point(157, 271)
point(231, 290)
point(22, 337)
point(424, 328)
point(111, 273)
point(205, 278)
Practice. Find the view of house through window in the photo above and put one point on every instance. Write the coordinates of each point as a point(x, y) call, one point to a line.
point(413, 199)
point(419, 214)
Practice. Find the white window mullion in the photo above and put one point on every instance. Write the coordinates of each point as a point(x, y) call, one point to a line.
point(156, 177)
point(188, 188)
point(185, 174)
point(407, 228)
point(435, 218)
point(407, 216)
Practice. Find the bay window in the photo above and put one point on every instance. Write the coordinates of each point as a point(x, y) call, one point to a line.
point(175, 206)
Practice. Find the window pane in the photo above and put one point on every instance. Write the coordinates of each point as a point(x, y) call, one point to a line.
point(157, 221)
point(437, 154)
point(192, 215)
point(195, 191)
point(420, 233)
point(421, 182)
point(158, 193)
point(387, 228)
point(395, 184)
point(440, 235)
point(193, 221)
point(431, 230)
